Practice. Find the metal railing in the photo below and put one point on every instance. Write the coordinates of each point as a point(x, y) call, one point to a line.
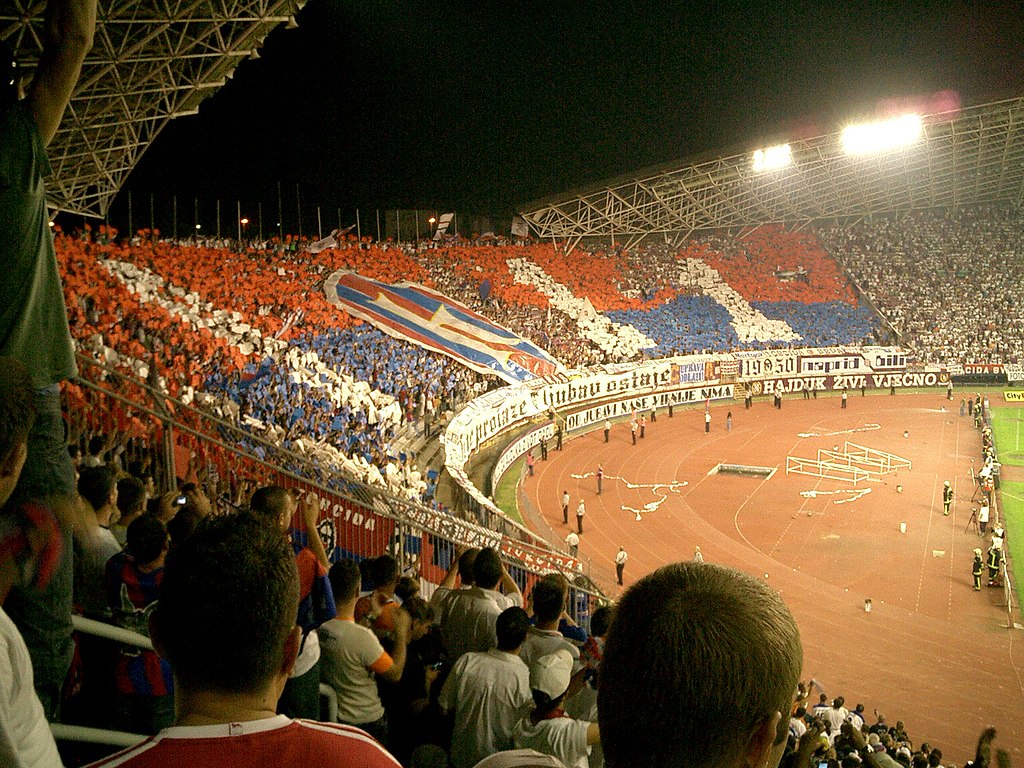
point(357, 520)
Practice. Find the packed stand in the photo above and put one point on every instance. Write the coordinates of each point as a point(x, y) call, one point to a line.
point(272, 359)
point(948, 283)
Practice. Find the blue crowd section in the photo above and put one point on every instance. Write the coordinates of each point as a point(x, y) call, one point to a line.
point(689, 324)
point(271, 395)
point(683, 325)
point(824, 324)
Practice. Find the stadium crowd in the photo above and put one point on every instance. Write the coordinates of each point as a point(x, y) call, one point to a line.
point(250, 337)
point(246, 613)
point(948, 283)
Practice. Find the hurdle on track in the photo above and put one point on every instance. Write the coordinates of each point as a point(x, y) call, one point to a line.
point(817, 468)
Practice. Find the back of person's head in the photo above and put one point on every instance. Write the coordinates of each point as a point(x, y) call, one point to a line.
point(487, 569)
point(384, 571)
point(800, 712)
point(270, 503)
point(131, 496)
point(838, 702)
point(95, 485)
point(407, 588)
point(919, 760)
point(138, 470)
point(146, 539)
point(184, 522)
point(935, 757)
point(466, 561)
point(17, 412)
point(227, 605)
point(418, 609)
point(345, 580)
point(601, 621)
point(547, 601)
point(511, 628)
point(697, 663)
point(96, 443)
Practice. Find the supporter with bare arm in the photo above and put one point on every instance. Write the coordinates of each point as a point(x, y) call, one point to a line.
point(33, 321)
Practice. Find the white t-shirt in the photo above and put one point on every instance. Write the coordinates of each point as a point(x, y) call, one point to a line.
point(541, 642)
point(489, 693)
point(562, 737)
point(25, 738)
point(308, 656)
point(469, 625)
point(351, 655)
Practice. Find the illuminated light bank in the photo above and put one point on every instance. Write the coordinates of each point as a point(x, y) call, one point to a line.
point(882, 135)
point(772, 158)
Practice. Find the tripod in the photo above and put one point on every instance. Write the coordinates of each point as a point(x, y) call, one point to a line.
point(973, 522)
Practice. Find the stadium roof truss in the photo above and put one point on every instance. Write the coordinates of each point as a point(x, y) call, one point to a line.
point(152, 61)
point(975, 156)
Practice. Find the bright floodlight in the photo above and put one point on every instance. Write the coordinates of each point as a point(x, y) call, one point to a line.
point(772, 158)
point(881, 136)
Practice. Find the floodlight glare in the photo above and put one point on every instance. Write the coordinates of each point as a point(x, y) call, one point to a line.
point(772, 158)
point(882, 135)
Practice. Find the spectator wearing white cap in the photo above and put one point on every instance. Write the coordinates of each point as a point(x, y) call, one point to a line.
point(548, 728)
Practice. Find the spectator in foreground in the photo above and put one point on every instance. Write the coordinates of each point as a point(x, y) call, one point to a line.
point(488, 693)
point(699, 666)
point(25, 738)
point(226, 624)
point(131, 503)
point(95, 544)
point(548, 728)
point(469, 624)
point(143, 685)
point(34, 324)
point(276, 507)
point(353, 656)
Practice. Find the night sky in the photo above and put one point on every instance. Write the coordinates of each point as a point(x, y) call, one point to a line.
point(482, 106)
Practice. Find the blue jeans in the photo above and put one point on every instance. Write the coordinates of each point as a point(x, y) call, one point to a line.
point(43, 616)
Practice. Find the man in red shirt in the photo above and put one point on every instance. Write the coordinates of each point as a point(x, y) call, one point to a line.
point(226, 623)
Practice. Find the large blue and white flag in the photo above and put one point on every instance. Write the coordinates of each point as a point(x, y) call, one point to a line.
point(416, 314)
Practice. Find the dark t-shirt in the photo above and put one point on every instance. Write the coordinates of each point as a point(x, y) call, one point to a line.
point(33, 320)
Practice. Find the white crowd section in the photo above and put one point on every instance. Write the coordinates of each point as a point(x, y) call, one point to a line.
point(623, 341)
point(749, 323)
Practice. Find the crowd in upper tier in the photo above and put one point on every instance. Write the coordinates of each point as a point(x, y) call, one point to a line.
point(250, 336)
point(949, 284)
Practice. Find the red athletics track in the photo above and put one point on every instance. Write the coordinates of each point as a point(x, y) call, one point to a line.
point(932, 652)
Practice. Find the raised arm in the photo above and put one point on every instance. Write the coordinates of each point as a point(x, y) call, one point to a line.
point(70, 25)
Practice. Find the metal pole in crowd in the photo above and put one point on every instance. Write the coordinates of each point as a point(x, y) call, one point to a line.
point(319, 225)
point(174, 207)
point(378, 225)
point(238, 221)
point(416, 213)
point(398, 224)
point(339, 218)
point(130, 230)
point(298, 209)
point(195, 215)
point(218, 218)
point(280, 217)
point(359, 228)
point(259, 214)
